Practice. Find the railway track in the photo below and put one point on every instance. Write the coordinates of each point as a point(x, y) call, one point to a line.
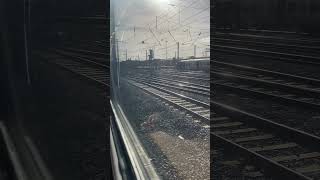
point(279, 150)
point(175, 84)
point(227, 165)
point(89, 70)
point(291, 50)
point(274, 148)
point(279, 47)
point(194, 77)
point(283, 87)
point(257, 31)
point(193, 107)
point(193, 73)
point(184, 73)
point(274, 76)
point(85, 52)
point(268, 54)
point(85, 56)
point(302, 40)
point(92, 45)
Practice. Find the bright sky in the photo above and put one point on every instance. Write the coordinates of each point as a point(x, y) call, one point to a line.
point(138, 31)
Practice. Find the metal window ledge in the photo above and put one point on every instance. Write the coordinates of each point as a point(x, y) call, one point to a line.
point(127, 153)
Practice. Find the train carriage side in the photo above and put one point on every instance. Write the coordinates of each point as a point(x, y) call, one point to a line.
point(202, 64)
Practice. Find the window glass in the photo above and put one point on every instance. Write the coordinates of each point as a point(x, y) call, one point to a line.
point(162, 81)
point(65, 128)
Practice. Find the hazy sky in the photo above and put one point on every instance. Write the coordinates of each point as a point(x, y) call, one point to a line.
point(137, 30)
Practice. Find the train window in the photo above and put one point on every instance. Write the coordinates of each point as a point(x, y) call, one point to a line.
point(57, 116)
point(160, 93)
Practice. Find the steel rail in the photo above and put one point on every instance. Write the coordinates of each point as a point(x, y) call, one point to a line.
point(261, 124)
point(171, 98)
